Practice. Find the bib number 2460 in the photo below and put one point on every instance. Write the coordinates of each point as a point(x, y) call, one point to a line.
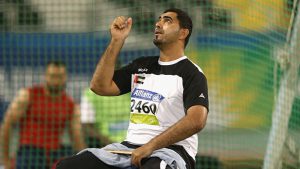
point(143, 107)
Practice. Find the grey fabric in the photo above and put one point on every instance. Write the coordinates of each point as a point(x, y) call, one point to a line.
point(173, 159)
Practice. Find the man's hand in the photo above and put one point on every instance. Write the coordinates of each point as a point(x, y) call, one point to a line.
point(140, 153)
point(120, 28)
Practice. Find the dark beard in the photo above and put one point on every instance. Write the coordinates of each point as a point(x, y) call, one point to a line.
point(157, 43)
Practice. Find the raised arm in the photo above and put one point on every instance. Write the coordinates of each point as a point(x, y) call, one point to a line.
point(102, 82)
point(15, 111)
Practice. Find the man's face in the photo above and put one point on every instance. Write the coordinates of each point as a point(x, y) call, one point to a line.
point(56, 78)
point(166, 29)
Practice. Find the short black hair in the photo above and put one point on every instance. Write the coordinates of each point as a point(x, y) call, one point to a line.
point(184, 21)
point(57, 63)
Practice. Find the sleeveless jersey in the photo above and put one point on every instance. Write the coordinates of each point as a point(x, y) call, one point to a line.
point(45, 119)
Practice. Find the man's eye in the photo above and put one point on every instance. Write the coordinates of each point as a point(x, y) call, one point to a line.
point(168, 20)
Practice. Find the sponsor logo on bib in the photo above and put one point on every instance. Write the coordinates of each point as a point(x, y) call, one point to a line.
point(144, 106)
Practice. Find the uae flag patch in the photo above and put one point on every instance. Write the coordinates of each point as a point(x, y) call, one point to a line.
point(138, 79)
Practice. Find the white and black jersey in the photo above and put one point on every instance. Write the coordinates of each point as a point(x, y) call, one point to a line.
point(161, 94)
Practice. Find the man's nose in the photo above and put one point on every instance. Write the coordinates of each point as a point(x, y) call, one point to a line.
point(158, 24)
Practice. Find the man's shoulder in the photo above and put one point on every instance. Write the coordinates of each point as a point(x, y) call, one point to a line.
point(36, 88)
point(189, 70)
point(191, 67)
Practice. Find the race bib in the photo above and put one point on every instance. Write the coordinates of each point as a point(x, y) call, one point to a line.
point(144, 106)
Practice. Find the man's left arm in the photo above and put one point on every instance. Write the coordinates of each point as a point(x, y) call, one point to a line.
point(192, 123)
point(76, 130)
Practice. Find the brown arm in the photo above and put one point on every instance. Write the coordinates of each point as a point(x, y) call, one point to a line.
point(16, 110)
point(189, 125)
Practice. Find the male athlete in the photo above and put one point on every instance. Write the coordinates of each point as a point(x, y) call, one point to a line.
point(42, 112)
point(169, 99)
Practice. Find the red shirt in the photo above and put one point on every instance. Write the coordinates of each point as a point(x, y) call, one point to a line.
point(45, 119)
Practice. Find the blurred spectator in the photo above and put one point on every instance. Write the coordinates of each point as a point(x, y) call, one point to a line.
point(42, 112)
point(105, 118)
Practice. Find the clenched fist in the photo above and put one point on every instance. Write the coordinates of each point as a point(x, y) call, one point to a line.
point(120, 28)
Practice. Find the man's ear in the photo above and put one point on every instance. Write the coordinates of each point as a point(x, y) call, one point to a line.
point(183, 33)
